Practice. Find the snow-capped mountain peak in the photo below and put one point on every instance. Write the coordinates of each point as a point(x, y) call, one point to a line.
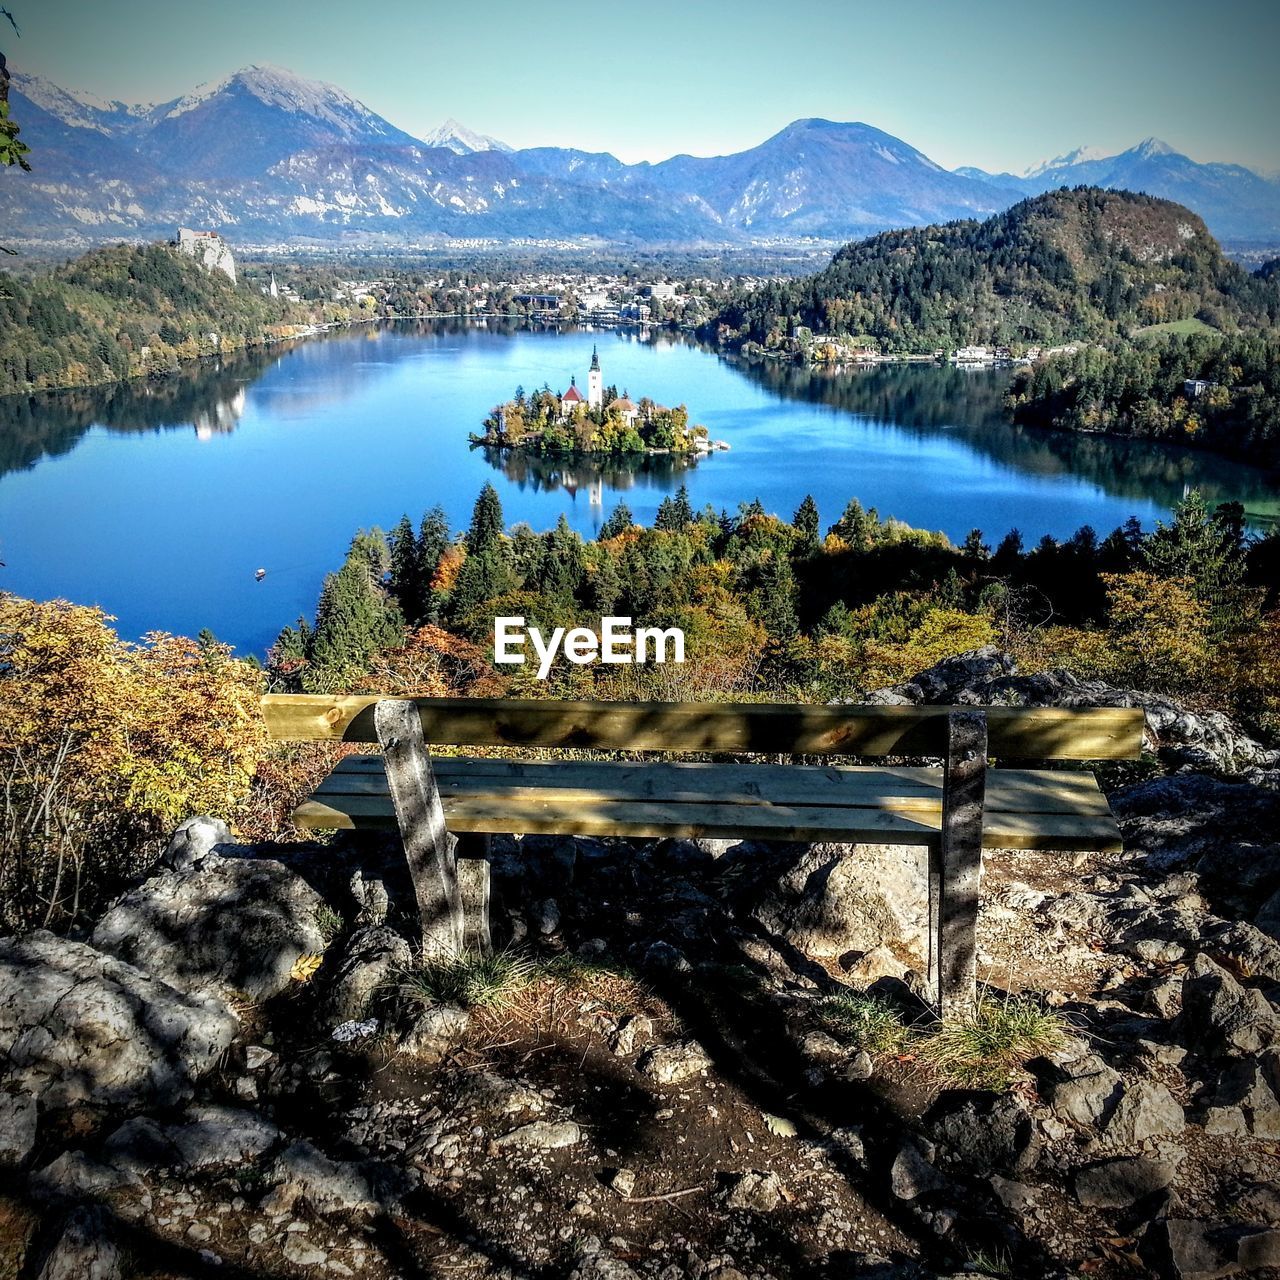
point(461, 140)
point(74, 107)
point(1079, 156)
point(1149, 147)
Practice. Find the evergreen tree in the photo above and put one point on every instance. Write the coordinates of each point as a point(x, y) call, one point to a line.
point(486, 522)
point(806, 524)
point(606, 586)
point(974, 548)
point(406, 572)
point(666, 520)
point(1008, 556)
point(619, 521)
point(433, 538)
point(354, 620)
point(1200, 546)
point(681, 510)
point(773, 602)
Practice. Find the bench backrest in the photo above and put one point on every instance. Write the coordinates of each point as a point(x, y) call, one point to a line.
point(1013, 733)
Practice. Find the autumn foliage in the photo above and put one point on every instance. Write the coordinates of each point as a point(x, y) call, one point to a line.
point(104, 747)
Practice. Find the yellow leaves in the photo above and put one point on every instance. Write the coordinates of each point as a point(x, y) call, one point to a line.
point(160, 730)
point(305, 967)
point(1157, 631)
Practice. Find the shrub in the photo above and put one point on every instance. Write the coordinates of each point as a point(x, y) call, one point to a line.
point(866, 1022)
point(106, 745)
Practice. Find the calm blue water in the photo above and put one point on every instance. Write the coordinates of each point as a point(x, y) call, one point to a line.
point(159, 503)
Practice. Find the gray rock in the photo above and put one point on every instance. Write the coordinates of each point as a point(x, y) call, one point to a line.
point(631, 1035)
point(543, 1135)
point(1243, 1085)
point(210, 1135)
point(623, 1182)
point(301, 1251)
point(1116, 1184)
point(193, 841)
point(1145, 1110)
point(229, 925)
point(85, 1250)
point(879, 962)
point(544, 916)
point(982, 1133)
point(756, 1191)
point(674, 1063)
point(84, 1029)
point(18, 1116)
point(370, 961)
point(1082, 1090)
point(1220, 1016)
point(1185, 1249)
point(839, 898)
point(911, 1175)
point(75, 1177)
point(665, 958)
point(303, 1170)
point(435, 1031)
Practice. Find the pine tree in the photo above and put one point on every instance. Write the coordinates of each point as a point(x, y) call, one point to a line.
point(974, 548)
point(433, 538)
point(486, 522)
point(806, 523)
point(606, 586)
point(406, 572)
point(354, 620)
point(665, 520)
point(681, 510)
point(619, 521)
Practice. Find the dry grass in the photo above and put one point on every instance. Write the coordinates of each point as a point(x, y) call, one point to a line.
point(986, 1050)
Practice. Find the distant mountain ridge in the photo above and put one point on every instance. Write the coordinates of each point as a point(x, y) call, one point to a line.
point(268, 156)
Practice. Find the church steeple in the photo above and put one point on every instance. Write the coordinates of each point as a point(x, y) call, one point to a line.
point(595, 382)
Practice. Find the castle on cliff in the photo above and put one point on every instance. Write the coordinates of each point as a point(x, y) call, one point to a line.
point(208, 248)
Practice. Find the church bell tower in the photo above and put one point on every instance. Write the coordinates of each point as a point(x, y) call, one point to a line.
point(595, 383)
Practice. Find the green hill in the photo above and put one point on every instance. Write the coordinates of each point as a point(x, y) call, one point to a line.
point(125, 311)
point(1069, 265)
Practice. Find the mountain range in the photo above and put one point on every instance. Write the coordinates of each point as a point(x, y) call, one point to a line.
point(269, 157)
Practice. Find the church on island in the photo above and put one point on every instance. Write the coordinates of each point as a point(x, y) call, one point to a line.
point(600, 422)
point(594, 398)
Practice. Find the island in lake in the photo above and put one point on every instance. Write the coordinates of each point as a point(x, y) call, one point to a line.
point(601, 422)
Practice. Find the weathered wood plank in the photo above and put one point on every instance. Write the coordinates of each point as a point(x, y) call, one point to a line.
point(1054, 832)
point(473, 853)
point(958, 857)
point(1010, 790)
point(1092, 733)
point(428, 846)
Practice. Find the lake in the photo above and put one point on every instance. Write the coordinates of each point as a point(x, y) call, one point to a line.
point(159, 501)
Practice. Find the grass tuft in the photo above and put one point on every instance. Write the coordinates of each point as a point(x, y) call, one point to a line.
point(492, 983)
point(986, 1050)
point(866, 1022)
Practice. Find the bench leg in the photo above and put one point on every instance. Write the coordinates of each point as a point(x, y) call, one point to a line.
point(956, 866)
point(428, 847)
point(473, 885)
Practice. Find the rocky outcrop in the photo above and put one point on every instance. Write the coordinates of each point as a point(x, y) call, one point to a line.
point(232, 925)
point(84, 1029)
point(987, 676)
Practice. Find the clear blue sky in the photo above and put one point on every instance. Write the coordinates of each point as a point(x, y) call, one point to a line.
point(986, 82)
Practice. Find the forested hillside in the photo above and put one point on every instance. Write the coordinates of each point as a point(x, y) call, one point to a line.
point(1069, 265)
point(124, 311)
point(1220, 392)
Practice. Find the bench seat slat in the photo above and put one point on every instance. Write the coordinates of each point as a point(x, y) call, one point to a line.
point(1014, 733)
point(863, 815)
point(905, 789)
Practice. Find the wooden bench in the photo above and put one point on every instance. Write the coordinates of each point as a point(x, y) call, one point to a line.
point(955, 810)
